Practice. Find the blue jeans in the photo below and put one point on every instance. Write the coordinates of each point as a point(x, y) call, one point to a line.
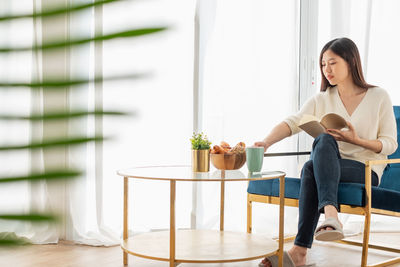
point(320, 178)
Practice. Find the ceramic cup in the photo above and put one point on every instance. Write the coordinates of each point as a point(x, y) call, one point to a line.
point(254, 158)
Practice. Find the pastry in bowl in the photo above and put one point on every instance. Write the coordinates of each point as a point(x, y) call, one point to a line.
point(223, 157)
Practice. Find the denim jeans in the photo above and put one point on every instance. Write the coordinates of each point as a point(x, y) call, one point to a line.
point(320, 178)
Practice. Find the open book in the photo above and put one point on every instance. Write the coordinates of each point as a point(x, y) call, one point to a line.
point(314, 126)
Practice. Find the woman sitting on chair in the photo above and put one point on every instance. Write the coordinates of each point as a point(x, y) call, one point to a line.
point(337, 155)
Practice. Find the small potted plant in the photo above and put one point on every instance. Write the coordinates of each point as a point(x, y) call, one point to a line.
point(200, 152)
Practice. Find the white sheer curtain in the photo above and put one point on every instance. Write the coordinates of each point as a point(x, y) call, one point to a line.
point(15, 66)
point(383, 46)
point(250, 83)
point(373, 26)
point(74, 200)
point(159, 132)
point(78, 199)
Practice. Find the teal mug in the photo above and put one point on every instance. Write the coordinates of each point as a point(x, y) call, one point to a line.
point(254, 158)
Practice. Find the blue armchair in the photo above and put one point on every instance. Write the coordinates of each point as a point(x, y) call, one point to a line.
point(353, 198)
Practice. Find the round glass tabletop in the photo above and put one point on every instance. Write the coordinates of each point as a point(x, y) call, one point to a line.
point(185, 173)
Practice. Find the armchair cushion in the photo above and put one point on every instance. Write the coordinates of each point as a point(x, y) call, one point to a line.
point(396, 154)
point(271, 187)
point(349, 193)
point(391, 177)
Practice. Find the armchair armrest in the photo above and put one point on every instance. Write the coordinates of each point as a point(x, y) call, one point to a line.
point(287, 154)
point(382, 161)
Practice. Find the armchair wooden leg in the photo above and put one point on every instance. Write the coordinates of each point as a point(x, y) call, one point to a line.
point(249, 214)
point(364, 255)
point(386, 263)
point(367, 223)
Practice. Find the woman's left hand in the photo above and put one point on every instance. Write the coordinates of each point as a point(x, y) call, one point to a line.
point(349, 136)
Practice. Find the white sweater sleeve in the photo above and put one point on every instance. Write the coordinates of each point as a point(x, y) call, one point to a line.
point(293, 121)
point(387, 132)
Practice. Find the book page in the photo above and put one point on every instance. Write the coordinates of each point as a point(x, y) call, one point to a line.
point(313, 128)
point(333, 121)
point(307, 118)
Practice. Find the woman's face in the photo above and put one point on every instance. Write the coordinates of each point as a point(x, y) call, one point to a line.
point(335, 68)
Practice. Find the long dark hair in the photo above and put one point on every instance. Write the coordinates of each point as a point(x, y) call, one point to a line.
point(346, 49)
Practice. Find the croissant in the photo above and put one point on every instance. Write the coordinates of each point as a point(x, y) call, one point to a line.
point(239, 148)
point(241, 144)
point(218, 150)
point(224, 148)
point(224, 144)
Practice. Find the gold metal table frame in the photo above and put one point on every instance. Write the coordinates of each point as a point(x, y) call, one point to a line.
point(199, 246)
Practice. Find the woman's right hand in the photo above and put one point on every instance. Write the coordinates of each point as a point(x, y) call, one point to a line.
point(261, 144)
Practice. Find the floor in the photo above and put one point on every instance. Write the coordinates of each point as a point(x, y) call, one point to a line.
point(69, 255)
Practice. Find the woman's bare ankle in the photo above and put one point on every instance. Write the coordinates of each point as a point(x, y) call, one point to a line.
point(330, 211)
point(299, 250)
point(298, 255)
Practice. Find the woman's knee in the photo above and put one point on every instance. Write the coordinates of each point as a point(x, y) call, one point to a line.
point(324, 138)
point(324, 143)
point(307, 182)
point(307, 170)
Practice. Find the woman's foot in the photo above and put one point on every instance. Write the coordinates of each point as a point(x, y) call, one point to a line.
point(331, 211)
point(330, 228)
point(298, 255)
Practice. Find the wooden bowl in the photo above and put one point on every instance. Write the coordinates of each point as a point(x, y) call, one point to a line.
point(228, 161)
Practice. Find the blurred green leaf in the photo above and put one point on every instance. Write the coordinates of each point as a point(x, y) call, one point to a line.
point(122, 34)
point(13, 242)
point(57, 11)
point(70, 82)
point(33, 217)
point(50, 175)
point(64, 115)
point(11, 239)
point(52, 143)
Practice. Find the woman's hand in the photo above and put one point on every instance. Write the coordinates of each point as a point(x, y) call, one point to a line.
point(349, 136)
point(261, 144)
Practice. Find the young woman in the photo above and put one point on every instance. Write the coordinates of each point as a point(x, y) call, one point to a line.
point(337, 155)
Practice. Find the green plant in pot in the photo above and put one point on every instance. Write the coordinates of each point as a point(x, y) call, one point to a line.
point(200, 152)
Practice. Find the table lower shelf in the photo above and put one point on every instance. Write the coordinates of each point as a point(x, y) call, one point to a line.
point(201, 246)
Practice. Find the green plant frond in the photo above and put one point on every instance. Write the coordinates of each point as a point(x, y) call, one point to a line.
point(53, 143)
point(50, 84)
point(122, 34)
point(13, 242)
point(50, 175)
point(57, 11)
point(32, 217)
point(64, 115)
point(11, 239)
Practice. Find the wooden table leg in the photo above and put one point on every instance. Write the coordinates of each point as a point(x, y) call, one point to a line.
point(222, 203)
point(125, 233)
point(222, 208)
point(249, 215)
point(281, 218)
point(172, 224)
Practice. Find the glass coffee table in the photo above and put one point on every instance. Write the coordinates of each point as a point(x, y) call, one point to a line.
point(199, 246)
